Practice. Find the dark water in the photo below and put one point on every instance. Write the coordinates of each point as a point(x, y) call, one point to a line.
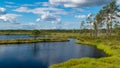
point(8, 37)
point(42, 55)
point(5, 37)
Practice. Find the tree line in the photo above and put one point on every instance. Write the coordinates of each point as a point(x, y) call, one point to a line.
point(106, 18)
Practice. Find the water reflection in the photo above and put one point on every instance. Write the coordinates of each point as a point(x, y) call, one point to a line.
point(35, 49)
point(42, 55)
point(6, 37)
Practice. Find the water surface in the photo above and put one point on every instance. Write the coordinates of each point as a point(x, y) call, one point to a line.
point(42, 55)
point(8, 37)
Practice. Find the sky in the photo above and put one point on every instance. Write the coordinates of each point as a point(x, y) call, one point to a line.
point(47, 14)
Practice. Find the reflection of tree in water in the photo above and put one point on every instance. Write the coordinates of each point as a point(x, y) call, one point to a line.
point(35, 49)
point(37, 63)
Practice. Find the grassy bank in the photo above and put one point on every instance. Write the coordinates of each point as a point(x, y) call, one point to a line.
point(109, 46)
point(21, 41)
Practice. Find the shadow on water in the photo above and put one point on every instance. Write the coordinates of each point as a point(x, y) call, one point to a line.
point(42, 55)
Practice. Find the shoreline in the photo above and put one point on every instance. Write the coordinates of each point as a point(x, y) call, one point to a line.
point(25, 41)
point(112, 60)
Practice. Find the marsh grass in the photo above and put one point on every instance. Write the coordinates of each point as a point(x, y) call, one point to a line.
point(111, 46)
point(20, 41)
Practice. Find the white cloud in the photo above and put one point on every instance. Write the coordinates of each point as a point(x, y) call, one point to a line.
point(22, 9)
point(41, 10)
point(2, 11)
point(10, 6)
point(10, 2)
point(28, 5)
point(80, 16)
point(79, 3)
point(5, 17)
point(118, 1)
point(48, 14)
point(49, 17)
point(27, 10)
point(70, 25)
point(8, 17)
point(44, 10)
point(29, 24)
point(42, 4)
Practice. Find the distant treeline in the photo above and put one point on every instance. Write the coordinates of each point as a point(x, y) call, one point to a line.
point(52, 31)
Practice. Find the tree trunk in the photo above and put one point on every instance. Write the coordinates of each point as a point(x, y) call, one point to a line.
point(96, 31)
point(108, 30)
point(91, 31)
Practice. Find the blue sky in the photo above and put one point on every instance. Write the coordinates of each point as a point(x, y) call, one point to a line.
point(47, 14)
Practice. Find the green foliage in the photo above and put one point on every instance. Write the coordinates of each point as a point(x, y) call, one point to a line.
point(35, 33)
point(105, 15)
point(109, 12)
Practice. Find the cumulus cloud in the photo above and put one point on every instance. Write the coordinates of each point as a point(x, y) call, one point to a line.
point(79, 3)
point(44, 10)
point(4, 17)
point(22, 9)
point(49, 17)
point(48, 14)
point(118, 1)
point(41, 10)
point(8, 17)
point(28, 5)
point(42, 4)
point(80, 16)
point(2, 11)
point(10, 6)
point(10, 3)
